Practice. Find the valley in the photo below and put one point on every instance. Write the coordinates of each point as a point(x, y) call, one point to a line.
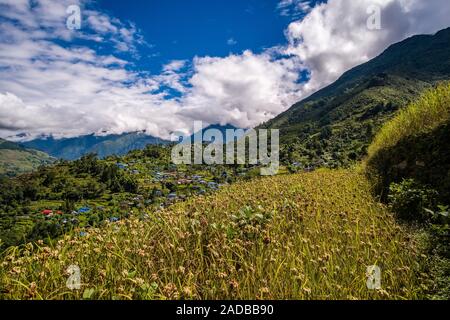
point(364, 185)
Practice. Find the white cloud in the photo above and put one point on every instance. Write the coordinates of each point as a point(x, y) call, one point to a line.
point(242, 90)
point(48, 88)
point(69, 90)
point(334, 36)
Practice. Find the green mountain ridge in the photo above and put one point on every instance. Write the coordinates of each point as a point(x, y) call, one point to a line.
point(103, 146)
point(16, 159)
point(335, 125)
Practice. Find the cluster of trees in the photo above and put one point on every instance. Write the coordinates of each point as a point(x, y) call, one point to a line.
point(330, 146)
point(87, 178)
point(65, 182)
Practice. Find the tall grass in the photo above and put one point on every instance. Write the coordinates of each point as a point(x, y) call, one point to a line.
point(305, 236)
point(422, 116)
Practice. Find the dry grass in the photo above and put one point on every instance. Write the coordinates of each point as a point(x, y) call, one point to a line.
point(304, 236)
point(422, 116)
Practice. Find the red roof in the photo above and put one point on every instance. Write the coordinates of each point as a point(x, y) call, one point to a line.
point(47, 212)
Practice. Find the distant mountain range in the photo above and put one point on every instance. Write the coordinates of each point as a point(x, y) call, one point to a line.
point(337, 123)
point(16, 159)
point(103, 146)
point(222, 129)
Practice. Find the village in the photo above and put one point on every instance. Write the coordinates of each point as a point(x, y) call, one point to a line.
point(160, 184)
point(90, 192)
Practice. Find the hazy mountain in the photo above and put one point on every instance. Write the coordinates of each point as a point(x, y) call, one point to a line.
point(338, 122)
point(16, 159)
point(103, 146)
point(222, 129)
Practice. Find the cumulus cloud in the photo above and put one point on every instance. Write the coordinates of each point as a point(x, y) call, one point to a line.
point(243, 90)
point(68, 90)
point(334, 36)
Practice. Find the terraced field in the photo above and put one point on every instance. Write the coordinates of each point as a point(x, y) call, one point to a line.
point(303, 236)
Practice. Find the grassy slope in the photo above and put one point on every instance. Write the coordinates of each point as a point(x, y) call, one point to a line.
point(16, 160)
point(305, 236)
point(423, 116)
point(415, 144)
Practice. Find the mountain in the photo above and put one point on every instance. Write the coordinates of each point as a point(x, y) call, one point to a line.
point(16, 159)
point(335, 125)
point(222, 129)
point(103, 146)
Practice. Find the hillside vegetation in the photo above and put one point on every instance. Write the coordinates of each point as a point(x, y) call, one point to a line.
point(139, 227)
point(103, 146)
point(334, 126)
point(303, 236)
point(15, 159)
point(416, 144)
point(409, 165)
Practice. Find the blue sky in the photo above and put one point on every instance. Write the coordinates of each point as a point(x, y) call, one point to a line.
point(185, 29)
point(160, 65)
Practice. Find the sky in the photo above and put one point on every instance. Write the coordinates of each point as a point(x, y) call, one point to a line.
point(160, 65)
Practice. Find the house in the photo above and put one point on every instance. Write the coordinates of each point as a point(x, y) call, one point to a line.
point(47, 212)
point(84, 210)
point(213, 185)
point(158, 193)
point(121, 165)
point(172, 196)
point(184, 181)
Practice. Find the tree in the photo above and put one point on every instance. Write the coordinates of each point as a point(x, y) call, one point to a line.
point(326, 132)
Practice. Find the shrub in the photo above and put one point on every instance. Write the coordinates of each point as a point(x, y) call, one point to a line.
point(414, 145)
point(409, 200)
